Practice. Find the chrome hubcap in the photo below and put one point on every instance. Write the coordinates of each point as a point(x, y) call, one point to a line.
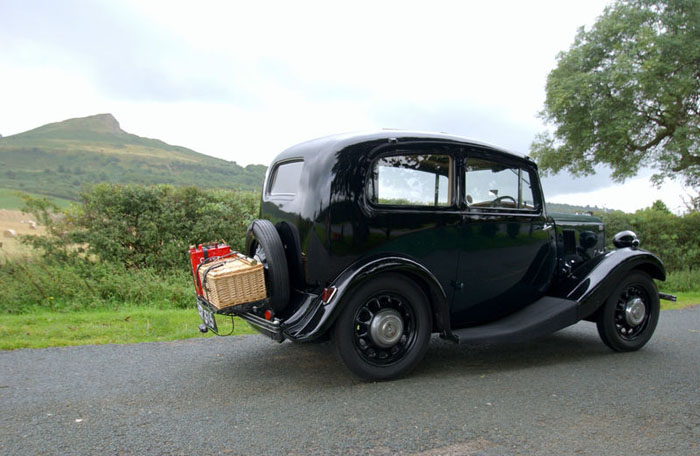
point(386, 328)
point(635, 311)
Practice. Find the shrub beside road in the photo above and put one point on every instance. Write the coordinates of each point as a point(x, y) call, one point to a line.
point(113, 268)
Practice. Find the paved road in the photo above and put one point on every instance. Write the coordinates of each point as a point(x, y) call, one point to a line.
point(565, 394)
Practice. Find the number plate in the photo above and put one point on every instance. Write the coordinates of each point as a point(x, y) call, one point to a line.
point(207, 317)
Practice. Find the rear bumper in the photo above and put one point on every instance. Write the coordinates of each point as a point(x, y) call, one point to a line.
point(270, 328)
point(667, 297)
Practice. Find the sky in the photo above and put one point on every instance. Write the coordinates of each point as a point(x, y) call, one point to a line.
point(243, 81)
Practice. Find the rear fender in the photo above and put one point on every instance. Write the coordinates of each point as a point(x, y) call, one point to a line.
point(318, 317)
point(593, 283)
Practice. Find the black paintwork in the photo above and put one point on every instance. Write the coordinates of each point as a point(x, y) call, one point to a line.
point(540, 318)
point(477, 265)
point(592, 283)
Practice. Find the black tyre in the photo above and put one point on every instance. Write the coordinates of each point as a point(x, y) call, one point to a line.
point(266, 247)
point(384, 329)
point(629, 316)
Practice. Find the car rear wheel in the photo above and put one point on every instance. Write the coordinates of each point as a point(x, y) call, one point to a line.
point(266, 247)
point(629, 316)
point(384, 328)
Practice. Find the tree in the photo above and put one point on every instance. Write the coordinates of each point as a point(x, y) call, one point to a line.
point(140, 226)
point(692, 202)
point(627, 94)
point(660, 206)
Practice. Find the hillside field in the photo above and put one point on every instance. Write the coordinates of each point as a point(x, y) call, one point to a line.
point(9, 199)
point(59, 159)
point(17, 221)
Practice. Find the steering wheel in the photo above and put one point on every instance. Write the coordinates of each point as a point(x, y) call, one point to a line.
point(501, 198)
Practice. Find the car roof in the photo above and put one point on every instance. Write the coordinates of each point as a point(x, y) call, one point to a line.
point(333, 143)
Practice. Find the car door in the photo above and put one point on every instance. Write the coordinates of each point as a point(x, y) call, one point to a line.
point(413, 207)
point(506, 247)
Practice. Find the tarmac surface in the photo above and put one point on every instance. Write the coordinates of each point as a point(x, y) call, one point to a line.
point(564, 394)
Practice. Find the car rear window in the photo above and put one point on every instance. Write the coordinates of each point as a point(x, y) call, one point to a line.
point(285, 178)
point(418, 180)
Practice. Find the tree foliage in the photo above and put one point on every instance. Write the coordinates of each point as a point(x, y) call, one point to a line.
point(143, 226)
point(675, 239)
point(627, 94)
point(121, 245)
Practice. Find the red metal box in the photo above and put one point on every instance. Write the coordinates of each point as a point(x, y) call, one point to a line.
point(204, 252)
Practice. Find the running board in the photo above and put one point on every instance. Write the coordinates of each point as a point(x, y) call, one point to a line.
point(541, 318)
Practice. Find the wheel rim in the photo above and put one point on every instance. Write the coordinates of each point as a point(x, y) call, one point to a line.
point(384, 329)
point(632, 312)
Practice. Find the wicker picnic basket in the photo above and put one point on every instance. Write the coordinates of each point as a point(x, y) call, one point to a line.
point(233, 281)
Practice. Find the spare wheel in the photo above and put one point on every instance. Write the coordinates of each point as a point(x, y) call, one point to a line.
point(266, 247)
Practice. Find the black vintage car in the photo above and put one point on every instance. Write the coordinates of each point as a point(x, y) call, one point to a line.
point(378, 240)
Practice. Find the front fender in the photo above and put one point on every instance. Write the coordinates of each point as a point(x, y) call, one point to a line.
point(593, 283)
point(318, 317)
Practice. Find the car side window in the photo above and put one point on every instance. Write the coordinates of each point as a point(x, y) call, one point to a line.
point(417, 180)
point(285, 178)
point(489, 184)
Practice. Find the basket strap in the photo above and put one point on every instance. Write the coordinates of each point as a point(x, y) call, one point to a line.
point(210, 260)
point(204, 279)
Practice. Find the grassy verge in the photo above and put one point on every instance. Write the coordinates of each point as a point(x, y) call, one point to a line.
point(684, 300)
point(9, 199)
point(138, 324)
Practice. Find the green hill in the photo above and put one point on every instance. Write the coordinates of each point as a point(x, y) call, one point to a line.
point(59, 158)
point(573, 209)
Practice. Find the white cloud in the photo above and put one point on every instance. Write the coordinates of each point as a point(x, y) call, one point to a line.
point(244, 80)
point(637, 193)
point(34, 95)
point(288, 71)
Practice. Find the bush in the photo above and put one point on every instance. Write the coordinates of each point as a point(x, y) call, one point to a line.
point(675, 239)
point(144, 226)
point(121, 245)
point(682, 281)
point(35, 283)
point(127, 244)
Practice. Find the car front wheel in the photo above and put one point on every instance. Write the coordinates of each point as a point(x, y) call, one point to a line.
point(629, 316)
point(384, 328)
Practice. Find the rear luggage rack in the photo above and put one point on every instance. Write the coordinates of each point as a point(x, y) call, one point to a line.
point(271, 328)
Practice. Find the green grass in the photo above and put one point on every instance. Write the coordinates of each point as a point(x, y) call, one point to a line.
point(138, 324)
point(686, 299)
point(10, 200)
point(131, 325)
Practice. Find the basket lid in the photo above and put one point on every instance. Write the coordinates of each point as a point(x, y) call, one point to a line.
point(230, 266)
